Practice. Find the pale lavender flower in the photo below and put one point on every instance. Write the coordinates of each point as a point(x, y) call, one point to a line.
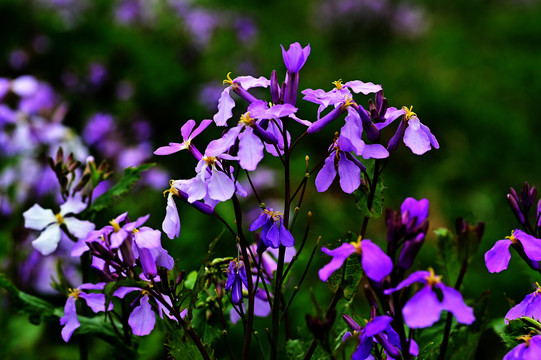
point(38, 218)
point(188, 134)
point(424, 308)
point(171, 223)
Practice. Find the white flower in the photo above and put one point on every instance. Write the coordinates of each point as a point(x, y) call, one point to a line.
point(38, 218)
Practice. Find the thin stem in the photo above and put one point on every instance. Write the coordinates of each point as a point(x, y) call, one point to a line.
point(302, 244)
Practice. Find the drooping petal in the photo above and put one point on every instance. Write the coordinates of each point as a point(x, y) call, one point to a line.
point(375, 151)
point(219, 146)
point(519, 310)
point(286, 238)
point(391, 115)
point(221, 186)
point(167, 150)
point(95, 301)
point(171, 223)
point(79, 228)
point(454, 303)
point(531, 244)
point(362, 352)
point(376, 264)
point(377, 325)
point(327, 174)
point(73, 205)
point(148, 238)
point(38, 218)
point(497, 258)
point(48, 240)
point(350, 175)
point(423, 309)
point(352, 130)
point(69, 320)
point(225, 108)
point(418, 276)
point(236, 291)
point(358, 86)
point(142, 318)
point(260, 221)
point(250, 149)
point(162, 258)
point(148, 263)
point(415, 138)
point(230, 275)
point(339, 255)
point(431, 137)
point(273, 236)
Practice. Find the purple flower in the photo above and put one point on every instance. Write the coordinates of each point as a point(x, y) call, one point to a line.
point(497, 258)
point(38, 218)
point(274, 233)
point(530, 307)
point(376, 264)
point(239, 85)
point(261, 307)
point(416, 136)
point(374, 327)
point(529, 350)
point(412, 226)
point(171, 223)
point(295, 57)
point(188, 134)
point(95, 301)
point(424, 308)
point(236, 276)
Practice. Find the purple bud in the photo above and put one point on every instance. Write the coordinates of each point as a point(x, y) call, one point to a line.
point(397, 137)
point(319, 124)
point(148, 263)
point(264, 135)
point(275, 88)
point(516, 209)
point(372, 131)
point(410, 250)
point(351, 323)
point(292, 85)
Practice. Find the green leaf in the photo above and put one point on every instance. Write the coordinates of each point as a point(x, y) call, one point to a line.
point(447, 255)
point(516, 328)
point(37, 309)
point(361, 199)
point(205, 327)
point(178, 348)
point(294, 349)
point(347, 277)
point(130, 178)
point(190, 279)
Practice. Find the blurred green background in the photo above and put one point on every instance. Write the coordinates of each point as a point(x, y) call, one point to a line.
point(471, 69)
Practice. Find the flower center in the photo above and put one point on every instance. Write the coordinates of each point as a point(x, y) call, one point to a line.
point(432, 279)
point(338, 84)
point(409, 113)
point(59, 218)
point(74, 293)
point(135, 231)
point(357, 245)
point(173, 190)
point(245, 119)
point(275, 215)
point(348, 102)
point(210, 160)
point(512, 237)
point(115, 225)
point(526, 339)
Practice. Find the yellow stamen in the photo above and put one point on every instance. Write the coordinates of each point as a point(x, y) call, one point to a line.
point(135, 231)
point(210, 160)
point(348, 102)
point(228, 80)
point(173, 190)
point(409, 112)
point(538, 290)
point(59, 218)
point(273, 214)
point(525, 338)
point(432, 279)
point(245, 119)
point(338, 84)
point(144, 292)
point(512, 237)
point(115, 225)
point(74, 293)
point(357, 245)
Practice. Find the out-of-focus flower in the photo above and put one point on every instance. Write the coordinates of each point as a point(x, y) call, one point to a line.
point(424, 308)
point(38, 218)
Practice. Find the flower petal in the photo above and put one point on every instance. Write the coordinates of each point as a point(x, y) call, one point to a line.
point(327, 174)
point(48, 240)
point(376, 264)
point(497, 258)
point(453, 302)
point(250, 149)
point(350, 174)
point(171, 223)
point(220, 186)
point(69, 320)
point(142, 319)
point(423, 309)
point(339, 255)
point(415, 138)
point(38, 218)
point(225, 108)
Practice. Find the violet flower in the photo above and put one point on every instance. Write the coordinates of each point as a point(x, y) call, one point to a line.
point(236, 276)
point(188, 134)
point(261, 307)
point(424, 308)
point(38, 218)
point(274, 233)
point(294, 59)
point(415, 135)
point(95, 301)
point(171, 223)
point(497, 258)
point(376, 264)
point(529, 350)
point(530, 307)
point(239, 85)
